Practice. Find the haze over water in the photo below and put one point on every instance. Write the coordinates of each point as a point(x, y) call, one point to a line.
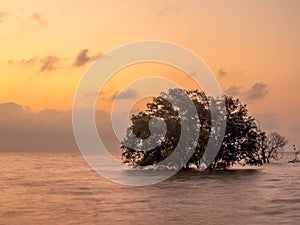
point(60, 188)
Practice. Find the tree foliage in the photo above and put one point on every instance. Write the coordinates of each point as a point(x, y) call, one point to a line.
point(244, 143)
point(272, 147)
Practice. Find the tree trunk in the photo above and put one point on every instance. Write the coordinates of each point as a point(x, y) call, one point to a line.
point(263, 152)
point(187, 166)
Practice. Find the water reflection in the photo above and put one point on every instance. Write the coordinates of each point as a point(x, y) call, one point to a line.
point(61, 189)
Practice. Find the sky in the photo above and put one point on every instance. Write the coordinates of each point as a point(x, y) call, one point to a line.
point(46, 47)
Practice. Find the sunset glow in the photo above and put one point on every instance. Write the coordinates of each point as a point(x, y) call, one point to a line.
point(252, 47)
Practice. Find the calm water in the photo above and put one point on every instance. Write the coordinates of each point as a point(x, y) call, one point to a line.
point(59, 188)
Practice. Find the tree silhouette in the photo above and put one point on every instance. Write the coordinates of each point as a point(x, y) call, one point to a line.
point(272, 147)
point(243, 142)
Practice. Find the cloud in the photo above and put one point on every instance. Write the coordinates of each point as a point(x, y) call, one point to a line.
point(3, 16)
point(82, 58)
point(167, 9)
point(9, 62)
point(31, 61)
point(49, 63)
point(103, 95)
point(47, 130)
point(257, 91)
point(128, 94)
point(38, 18)
point(233, 91)
point(9, 107)
point(222, 72)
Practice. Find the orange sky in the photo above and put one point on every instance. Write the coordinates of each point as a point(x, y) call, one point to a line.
point(252, 46)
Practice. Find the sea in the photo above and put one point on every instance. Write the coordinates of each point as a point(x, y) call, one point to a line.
point(60, 188)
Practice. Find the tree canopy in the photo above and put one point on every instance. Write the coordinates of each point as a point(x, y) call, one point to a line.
point(244, 143)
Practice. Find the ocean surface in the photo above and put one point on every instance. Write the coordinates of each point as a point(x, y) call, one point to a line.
point(60, 188)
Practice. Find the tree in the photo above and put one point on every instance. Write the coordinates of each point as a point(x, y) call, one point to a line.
point(272, 147)
point(241, 140)
point(242, 143)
